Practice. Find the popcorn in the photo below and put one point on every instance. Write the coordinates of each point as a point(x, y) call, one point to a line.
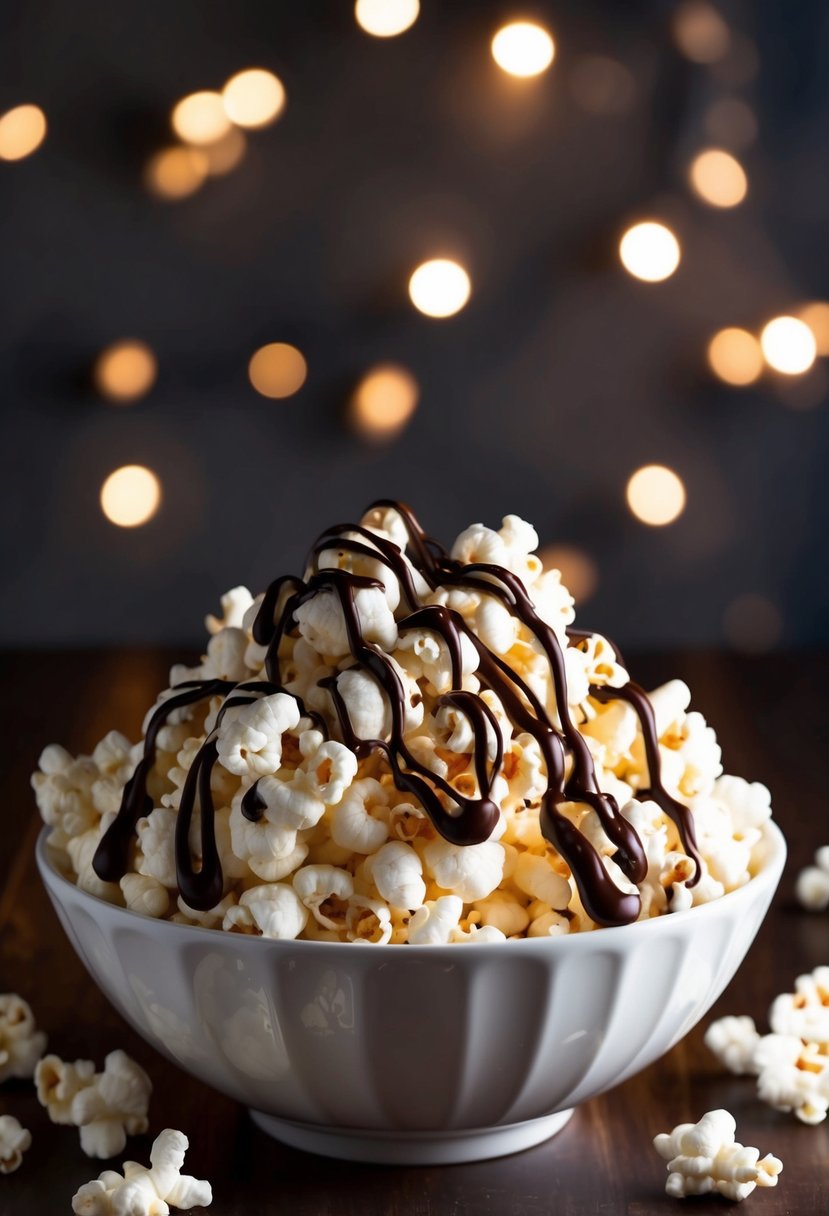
point(21, 1043)
point(140, 1191)
point(14, 1140)
point(793, 1076)
point(394, 730)
point(106, 1106)
point(734, 1041)
point(804, 1012)
point(812, 887)
point(704, 1157)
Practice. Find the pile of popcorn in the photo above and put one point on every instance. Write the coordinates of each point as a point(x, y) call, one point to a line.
point(106, 1107)
point(340, 853)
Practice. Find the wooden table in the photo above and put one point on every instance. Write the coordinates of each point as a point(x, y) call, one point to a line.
point(771, 715)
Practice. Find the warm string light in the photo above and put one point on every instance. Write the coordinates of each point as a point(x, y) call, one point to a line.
point(253, 98)
point(130, 496)
point(700, 32)
point(200, 118)
point(439, 288)
point(175, 173)
point(125, 371)
point(655, 495)
point(718, 178)
point(735, 356)
point(523, 49)
point(386, 18)
point(579, 573)
point(649, 251)
point(277, 370)
point(22, 131)
point(383, 401)
point(816, 316)
point(788, 345)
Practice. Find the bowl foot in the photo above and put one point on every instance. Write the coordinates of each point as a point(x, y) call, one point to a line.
point(412, 1148)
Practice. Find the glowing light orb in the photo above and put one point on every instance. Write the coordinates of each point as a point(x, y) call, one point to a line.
point(579, 573)
point(656, 495)
point(523, 49)
point(200, 118)
point(789, 345)
point(386, 18)
point(22, 131)
point(130, 496)
point(125, 370)
point(384, 401)
point(277, 370)
point(649, 251)
point(700, 32)
point(718, 178)
point(816, 316)
point(439, 288)
point(253, 98)
point(735, 356)
point(176, 173)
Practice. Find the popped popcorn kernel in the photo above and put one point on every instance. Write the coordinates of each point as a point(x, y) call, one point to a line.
point(106, 1106)
point(704, 1158)
point(21, 1043)
point(14, 1140)
point(142, 1191)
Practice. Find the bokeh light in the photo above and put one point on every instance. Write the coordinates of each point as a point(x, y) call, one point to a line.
point(22, 131)
point(130, 496)
point(700, 31)
point(735, 356)
point(731, 121)
point(523, 48)
point(383, 401)
point(439, 288)
point(788, 345)
point(649, 251)
point(200, 118)
point(752, 623)
point(175, 173)
point(386, 18)
point(579, 573)
point(656, 495)
point(253, 98)
point(718, 178)
point(225, 154)
point(816, 316)
point(601, 85)
point(125, 370)
point(277, 370)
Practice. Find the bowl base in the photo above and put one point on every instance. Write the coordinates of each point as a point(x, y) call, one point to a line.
point(412, 1148)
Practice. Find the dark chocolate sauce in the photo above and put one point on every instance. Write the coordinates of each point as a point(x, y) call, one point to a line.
point(461, 818)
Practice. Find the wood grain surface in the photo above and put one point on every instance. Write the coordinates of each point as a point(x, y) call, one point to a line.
point(771, 717)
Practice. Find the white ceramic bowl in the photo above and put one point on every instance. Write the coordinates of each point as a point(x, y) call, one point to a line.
point(414, 1054)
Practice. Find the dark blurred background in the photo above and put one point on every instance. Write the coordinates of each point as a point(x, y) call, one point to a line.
point(561, 376)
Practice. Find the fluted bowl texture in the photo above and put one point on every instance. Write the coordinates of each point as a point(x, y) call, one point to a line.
point(353, 1046)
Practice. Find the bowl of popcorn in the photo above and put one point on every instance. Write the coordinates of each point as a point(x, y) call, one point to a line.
point(409, 751)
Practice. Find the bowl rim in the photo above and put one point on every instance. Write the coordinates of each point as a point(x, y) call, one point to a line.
point(772, 841)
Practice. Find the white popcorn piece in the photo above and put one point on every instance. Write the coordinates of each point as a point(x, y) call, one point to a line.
point(234, 603)
point(208, 918)
point(325, 891)
point(21, 1043)
point(106, 1106)
point(63, 791)
point(322, 623)
point(271, 850)
point(360, 822)
point(249, 742)
point(471, 871)
point(793, 1076)
point(536, 877)
point(812, 886)
point(225, 658)
point(328, 767)
point(14, 1140)
point(804, 1012)
point(549, 924)
point(145, 894)
point(704, 1158)
point(397, 873)
point(275, 910)
point(503, 911)
point(367, 706)
point(140, 1191)
point(734, 1041)
point(477, 935)
point(368, 920)
point(433, 923)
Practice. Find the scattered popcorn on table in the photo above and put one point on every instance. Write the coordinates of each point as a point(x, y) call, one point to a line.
point(106, 1106)
point(14, 1140)
point(21, 1043)
point(704, 1158)
point(792, 1063)
point(142, 1191)
point(341, 732)
point(812, 887)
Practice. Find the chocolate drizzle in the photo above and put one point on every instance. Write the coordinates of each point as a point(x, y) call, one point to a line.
point(460, 817)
